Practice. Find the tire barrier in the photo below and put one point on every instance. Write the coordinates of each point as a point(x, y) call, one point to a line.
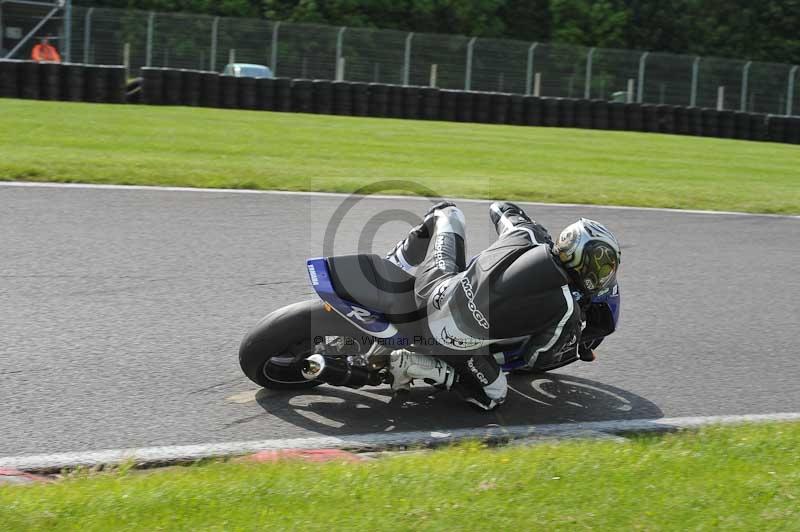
point(302, 96)
point(50, 79)
point(28, 78)
point(117, 84)
point(599, 114)
point(726, 124)
point(634, 117)
point(583, 114)
point(743, 126)
point(395, 95)
point(482, 102)
point(464, 106)
point(209, 89)
point(710, 123)
point(283, 94)
point(695, 115)
point(516, 110)
point(190, 81)
point(378, 100)
point(228, 93)
point(246, 92)
point(430, 102)
point(72, 82)
point(173, 90)
point(665, 115)
point(681, 121)
point(322, 92)
point(411, 100)
point(448, 105)
point(93, 83)
point(550, 112)
point(792, 130)
point(96, 88)
point(9, 79)
point(342, 98)
point(360, 94)
point(152, 84)
point(498, 109)
point(616, 116)
point(566, 109)
point(649, 118)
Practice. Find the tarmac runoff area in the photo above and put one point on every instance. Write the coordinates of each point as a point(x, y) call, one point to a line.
point(124, 307)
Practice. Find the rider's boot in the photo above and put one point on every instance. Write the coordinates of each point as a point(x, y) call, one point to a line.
point(406, 366)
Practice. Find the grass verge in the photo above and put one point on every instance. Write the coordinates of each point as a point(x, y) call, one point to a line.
point(73, 142)
point(733, 478)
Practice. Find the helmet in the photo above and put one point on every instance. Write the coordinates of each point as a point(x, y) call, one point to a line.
point(591, 252)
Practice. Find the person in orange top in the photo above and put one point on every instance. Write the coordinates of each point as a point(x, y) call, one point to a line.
point(44, 51)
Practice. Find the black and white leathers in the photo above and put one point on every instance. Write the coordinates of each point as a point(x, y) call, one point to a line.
point(514, 288)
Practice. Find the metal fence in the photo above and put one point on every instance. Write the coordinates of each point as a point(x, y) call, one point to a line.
point(138, 38)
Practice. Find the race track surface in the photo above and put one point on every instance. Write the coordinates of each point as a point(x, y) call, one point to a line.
point(122, 311)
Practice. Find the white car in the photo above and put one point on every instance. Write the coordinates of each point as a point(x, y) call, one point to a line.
point(247, 70)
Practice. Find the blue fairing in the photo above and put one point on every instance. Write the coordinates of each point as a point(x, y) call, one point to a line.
point(613, 300)
point(371, 322)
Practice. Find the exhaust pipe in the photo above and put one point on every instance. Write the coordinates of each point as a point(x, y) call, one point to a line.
point(337, 372)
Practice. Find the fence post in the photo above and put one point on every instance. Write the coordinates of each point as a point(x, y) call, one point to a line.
point(720, 98)
point(126, 59)
point(468, 74)
point(745, 76)
point(407, 58)
point(537, 84)
point(695, 76)
point(274, 59)
point(790, 90)
point(629, 96)
point(640, 88)
point(434, 73)
point(67, 31)
point(587, 91)
point(339, 63)
point(87, 32)
point(150, 24)
point(214, 33)
point(529, 70)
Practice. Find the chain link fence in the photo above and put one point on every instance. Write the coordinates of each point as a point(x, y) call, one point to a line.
point(137, 39)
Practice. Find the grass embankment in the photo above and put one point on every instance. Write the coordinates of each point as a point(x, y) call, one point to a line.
point(50, 141)
point(735, 478)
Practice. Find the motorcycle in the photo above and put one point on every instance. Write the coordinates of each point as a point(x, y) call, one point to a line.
point(366, 309)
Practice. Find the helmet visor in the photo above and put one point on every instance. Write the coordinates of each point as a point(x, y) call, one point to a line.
point(598, 269)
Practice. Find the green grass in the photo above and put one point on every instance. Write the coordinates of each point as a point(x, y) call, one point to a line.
point(51, 141)
point(735, 478)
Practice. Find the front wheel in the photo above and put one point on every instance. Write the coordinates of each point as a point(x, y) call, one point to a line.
point(272, 353)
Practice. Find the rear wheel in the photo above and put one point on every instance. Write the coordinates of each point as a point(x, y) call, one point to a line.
point(272, 353)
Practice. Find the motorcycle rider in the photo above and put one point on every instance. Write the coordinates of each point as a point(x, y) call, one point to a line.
point(523, 286)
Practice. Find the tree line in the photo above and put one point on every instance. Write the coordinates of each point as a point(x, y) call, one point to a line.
point(759, 31)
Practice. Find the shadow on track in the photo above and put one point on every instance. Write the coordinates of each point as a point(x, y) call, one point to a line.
point(533, 399)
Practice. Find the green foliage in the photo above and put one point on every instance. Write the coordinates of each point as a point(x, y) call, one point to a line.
point(764, 31)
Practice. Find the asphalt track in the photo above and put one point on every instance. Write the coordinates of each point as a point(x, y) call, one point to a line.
point(121, 311)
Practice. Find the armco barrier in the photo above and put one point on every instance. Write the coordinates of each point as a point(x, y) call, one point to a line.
point(75, 82)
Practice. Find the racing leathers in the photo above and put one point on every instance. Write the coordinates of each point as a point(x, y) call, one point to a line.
point(516, 289)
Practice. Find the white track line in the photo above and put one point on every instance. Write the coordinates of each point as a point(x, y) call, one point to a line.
point(380, 440)
point(28, 184)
